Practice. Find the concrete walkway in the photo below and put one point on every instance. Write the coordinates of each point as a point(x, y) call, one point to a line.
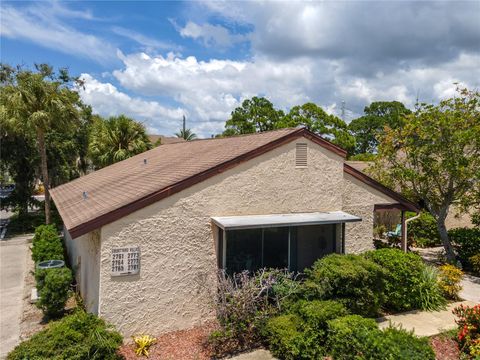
point(424, 323)
point(12, 275)
point(470, 288)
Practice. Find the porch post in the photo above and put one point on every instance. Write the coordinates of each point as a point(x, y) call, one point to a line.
point(404, 235)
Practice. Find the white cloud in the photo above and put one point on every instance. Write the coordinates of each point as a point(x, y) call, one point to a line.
point(210, 90)
point(107, 100)
point(210, 35)
point(149, 44)
point(40, 25)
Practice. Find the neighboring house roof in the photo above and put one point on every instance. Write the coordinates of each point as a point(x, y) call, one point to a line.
point(129, 185)
point(165, 140)
point(359, 165)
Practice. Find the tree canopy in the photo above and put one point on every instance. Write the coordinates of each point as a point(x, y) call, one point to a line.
point(315, 119)
point(254, 115)
point(35, 102)
point(186, 134)
point(116, 138)
point(434, 156)
point(368, 129)
point(259, 114)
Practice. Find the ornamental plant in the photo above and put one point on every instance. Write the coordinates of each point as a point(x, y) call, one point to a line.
point(55, 291)
point(468, 320)
point(143, 343)
point(46, 244)
point(353, 280)
point(449, 281)
point(402, 277)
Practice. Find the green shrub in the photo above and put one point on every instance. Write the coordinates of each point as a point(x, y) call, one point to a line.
point(44, 231)
point(55, 291)
point(400, 344)
point(351, 279)
point(351, 336)
point(466, 243)
point(354, 337)
point(40, 275)
point(77, 336)
point(46, 244)
point(316, 313)
point(423, 231)
point(302, 335)
point(285, 337)
point(402, 272)
point(430, 296)
point(475, 262)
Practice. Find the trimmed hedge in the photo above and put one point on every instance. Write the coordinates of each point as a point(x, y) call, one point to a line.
point(353, 337)
point(302, 335)
point(351, 279)
point(54, 290)
point(402, 274)
point(409, 283)
point(286, 338)
point(76, 336)
point(46, 244)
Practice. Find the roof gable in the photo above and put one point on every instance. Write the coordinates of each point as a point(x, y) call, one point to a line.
point(129, 185)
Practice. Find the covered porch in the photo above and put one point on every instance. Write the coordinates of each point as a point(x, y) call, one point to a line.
point(290, 241)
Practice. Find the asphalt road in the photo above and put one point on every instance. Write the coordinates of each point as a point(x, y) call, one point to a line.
point(12, 275)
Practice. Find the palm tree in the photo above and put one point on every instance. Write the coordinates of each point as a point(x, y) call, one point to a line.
point(37, 102)
point(186, 134)
point(116, 138)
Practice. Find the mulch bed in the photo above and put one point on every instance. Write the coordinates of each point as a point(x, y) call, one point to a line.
point(445, 348)
point(182, 345)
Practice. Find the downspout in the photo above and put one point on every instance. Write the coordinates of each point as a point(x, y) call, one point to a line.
point(406, 225)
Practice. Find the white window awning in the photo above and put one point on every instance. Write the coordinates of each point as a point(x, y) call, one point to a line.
point(280, 220)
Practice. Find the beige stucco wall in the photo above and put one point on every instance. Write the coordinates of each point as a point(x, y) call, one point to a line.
point(178, 260)
point(84, 257)
point(457, 218)
point(359, 199)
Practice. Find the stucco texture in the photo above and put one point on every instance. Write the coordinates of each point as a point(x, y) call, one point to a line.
point(359, 199)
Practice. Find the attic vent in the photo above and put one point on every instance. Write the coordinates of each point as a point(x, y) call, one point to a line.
point(301, 155)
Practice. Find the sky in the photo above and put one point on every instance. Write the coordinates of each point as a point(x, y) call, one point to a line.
point(158, 61)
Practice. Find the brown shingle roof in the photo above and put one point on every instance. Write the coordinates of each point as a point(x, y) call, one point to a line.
point(165, 140)
point(129, 185)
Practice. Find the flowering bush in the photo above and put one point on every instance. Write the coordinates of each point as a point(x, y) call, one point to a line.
point(469, 329)
point(449, 281)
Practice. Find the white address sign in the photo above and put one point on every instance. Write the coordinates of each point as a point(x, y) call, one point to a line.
point(125, 261)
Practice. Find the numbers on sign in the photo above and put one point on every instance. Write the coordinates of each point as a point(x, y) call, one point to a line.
point(125, 261)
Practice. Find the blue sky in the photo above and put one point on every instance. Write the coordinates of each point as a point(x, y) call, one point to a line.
point(156, 61)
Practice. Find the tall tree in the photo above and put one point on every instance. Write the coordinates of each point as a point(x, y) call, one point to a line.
point(186, 134)
point(39, 101)
point(368, 129)
point(255, 115)
point(435, 157)
point(116, 138)
point(315, 119)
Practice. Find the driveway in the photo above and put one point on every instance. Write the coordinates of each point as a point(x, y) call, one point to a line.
point(12, 274)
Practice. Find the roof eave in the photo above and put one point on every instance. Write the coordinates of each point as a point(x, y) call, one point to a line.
point(404, 203)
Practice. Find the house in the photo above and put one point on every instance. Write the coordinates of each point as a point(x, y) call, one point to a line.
point(147, 235)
